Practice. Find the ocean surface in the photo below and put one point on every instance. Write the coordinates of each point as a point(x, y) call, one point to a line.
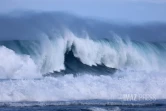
point(61, 62)
point(86, 105)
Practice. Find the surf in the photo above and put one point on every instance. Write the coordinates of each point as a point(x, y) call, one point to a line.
point(71, 54)
point(51, 60)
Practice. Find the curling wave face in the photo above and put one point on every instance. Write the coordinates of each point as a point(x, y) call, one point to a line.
point(71, 54)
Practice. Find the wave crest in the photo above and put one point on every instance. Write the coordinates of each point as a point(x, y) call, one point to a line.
point(49, 55)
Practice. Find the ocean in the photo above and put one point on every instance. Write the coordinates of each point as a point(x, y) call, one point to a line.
point(60, 62)
point(86, 105)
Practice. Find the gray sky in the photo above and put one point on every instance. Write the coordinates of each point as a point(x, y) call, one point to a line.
point(122, 10)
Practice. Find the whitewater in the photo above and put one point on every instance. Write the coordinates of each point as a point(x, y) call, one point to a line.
point(67, 66)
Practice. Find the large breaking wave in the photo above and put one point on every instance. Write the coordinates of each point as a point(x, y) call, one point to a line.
point(73, 55)
point(103, 67)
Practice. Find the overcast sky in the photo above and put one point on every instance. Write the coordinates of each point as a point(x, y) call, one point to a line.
point(124, 10)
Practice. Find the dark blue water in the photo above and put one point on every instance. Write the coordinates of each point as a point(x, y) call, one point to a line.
point(94, 105)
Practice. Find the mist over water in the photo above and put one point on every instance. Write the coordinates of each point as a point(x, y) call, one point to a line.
point(60, 57)
point(31, 25)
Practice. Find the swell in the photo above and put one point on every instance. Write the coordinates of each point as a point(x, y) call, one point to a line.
point(29, 26)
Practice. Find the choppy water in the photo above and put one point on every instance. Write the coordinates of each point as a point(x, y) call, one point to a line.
point(88, 105)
